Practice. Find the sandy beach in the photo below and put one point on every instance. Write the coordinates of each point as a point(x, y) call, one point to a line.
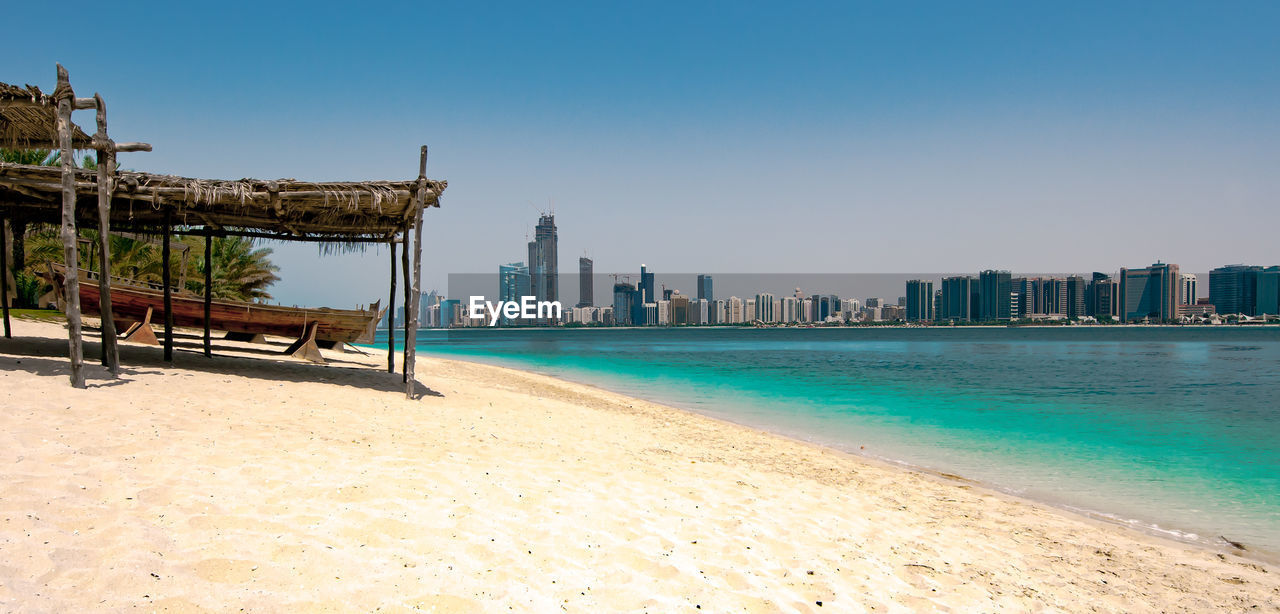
point(264, 483)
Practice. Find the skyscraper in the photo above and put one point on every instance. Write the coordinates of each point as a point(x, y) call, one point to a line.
point(513, 283)
point(996, 295)
point(1102, 300)
point(1077, 289)
point(1022, 297)
point(1150, 293)
point(704, 288)
point(647, 294)
point(1268, 292)
point(957, 298)
point(764, 310)
point(679, 310)
point(919, 300)
point(1233, 288)
point(1052, 297)
point(625, 298)
point(544, 267)
point(1187, 292)
point(586, 287)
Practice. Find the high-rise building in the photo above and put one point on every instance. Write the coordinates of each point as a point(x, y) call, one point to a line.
point(1051, 297)
point(625, 298)
point(1102, 297)
point(651, 314)
point(1150, 293)
point(789, 311)
point(957, 298)
point(1187, 292)
point(1077, 291)
point(679, 310)
point(996, 295)
point(586, 283)
point(450, 312)
point(429, 300)
point(544, 268)
point(919, 300)
point(647, 292)
point(513, 283)
point(1233, 288)
point(735, 311)
point(1267, 301)
point(719, 312)
point(764, 310)
point(704, 288)
point(849, 308)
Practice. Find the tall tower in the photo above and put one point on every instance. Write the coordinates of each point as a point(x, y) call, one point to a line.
point(544, 268)
point(1150, 293)
point(919, 300)
point(996, 295)
point(513, 283)
point(586, 289)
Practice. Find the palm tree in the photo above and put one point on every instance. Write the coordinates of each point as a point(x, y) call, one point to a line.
point(240, 272)
point(32, 157)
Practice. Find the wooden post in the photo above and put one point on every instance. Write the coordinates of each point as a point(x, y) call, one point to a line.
point(71, 284)
point(404, 264)
point(168, 284)
point(4, 275)
point(208, 290)
point(106, 171)
point(391, 319)
point(411, 337)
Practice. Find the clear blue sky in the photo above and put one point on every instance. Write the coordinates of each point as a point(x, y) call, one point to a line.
point(718, 137)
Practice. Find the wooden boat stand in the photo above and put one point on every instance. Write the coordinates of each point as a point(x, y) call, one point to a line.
point(140, 332)
point(305, 347)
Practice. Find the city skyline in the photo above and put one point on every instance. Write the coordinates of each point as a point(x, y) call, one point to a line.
point(1045, 138)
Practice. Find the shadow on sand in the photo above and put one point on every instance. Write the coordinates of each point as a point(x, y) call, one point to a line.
point(47, 357)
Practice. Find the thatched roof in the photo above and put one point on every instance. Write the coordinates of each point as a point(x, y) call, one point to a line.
point(29, 120)
point(285, 208)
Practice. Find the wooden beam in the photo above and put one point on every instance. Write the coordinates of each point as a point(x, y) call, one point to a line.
point(71, 284)
point(405, 273)
point(106, 170)
point(168, 285)
point(411, 337)
point(208, 292)
point(391, 321)
point(4, 275)
point(284, 237)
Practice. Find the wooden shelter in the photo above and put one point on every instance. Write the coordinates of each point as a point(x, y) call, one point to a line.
point(163, 205)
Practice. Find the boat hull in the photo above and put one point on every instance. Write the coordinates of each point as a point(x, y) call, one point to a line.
point(130, 303)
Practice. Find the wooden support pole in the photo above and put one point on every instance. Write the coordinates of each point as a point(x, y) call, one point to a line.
point(411, 337)
point(4, 275)
point(391, 318)
point(71, 256)
point(405, 273)
point(106, 170)
point(208, 291)
point(168, 284)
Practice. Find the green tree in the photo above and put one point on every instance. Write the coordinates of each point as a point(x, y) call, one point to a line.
point(240, 271)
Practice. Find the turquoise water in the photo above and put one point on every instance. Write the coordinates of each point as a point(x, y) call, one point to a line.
point(1173, 430)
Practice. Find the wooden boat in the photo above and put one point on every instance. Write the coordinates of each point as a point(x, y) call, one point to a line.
point(141, 304)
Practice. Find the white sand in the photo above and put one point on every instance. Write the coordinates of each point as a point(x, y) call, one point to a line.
point(274, 485)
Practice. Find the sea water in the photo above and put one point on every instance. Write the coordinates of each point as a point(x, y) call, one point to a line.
point(1172, 430)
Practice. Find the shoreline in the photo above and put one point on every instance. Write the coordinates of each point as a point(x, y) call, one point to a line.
point(1141, 527)
point(254, 481)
